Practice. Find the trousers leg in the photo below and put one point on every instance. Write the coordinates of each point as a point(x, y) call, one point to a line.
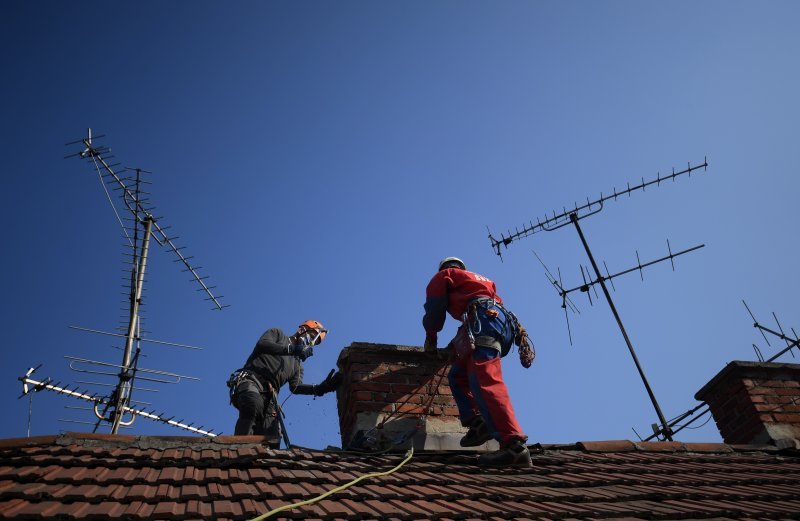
point(491, 395)
point(251, 413)
point(458, 377)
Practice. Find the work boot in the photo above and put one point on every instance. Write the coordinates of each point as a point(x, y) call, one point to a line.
point(516, 454)
point(478, 434)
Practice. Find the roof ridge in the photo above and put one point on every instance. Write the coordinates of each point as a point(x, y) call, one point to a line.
point(223, 442)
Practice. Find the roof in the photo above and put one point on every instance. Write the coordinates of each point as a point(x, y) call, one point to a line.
point(100, 476)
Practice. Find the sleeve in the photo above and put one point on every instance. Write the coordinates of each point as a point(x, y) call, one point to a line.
point(296, 385)
point(435, 304)
point(272, 342)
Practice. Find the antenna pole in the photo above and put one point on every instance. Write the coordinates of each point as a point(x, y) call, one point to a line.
point(664, 425)
point(123, 389)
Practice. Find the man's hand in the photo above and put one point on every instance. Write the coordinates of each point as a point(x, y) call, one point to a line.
point(430, 344)
point(329, 384)
point(301, 351)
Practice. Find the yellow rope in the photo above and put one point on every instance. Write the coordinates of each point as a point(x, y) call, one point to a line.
point(409, 454)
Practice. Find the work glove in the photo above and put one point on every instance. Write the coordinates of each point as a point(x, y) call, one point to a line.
point(430, 344)
point(329, 384)
point(301, 351)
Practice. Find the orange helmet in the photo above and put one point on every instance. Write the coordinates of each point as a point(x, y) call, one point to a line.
point(316, 326)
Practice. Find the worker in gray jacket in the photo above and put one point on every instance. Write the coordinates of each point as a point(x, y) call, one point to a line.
point(276, 360)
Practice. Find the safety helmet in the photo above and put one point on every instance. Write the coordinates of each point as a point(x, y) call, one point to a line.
point(452, 262)
point(317, 327)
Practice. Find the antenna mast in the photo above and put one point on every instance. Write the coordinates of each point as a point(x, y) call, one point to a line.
point(573, 216)
point(119, 402)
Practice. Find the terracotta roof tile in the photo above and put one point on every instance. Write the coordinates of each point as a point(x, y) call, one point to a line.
point(708, 447)
point(198, 509)
point(169, 510)
point(607, 446)
point(167, 478)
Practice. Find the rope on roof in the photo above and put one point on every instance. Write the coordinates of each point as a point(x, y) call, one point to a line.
point(409, 454)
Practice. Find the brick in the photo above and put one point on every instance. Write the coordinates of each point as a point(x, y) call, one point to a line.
point(396, 378)
point(373, 407)
point(363, 368)
point(370, 386)
point(360, 377)
point(787, 418)
point(408, 388)
point(365, 396)
point(405, 398)
point(411, 409)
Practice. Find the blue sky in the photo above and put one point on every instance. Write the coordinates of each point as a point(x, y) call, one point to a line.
point(318, 159)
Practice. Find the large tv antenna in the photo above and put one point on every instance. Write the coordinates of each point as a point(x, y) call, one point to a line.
point(573, 216)
point(118, 407)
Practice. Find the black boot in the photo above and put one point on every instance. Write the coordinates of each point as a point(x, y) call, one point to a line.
point(516, 454)
point(478, 434)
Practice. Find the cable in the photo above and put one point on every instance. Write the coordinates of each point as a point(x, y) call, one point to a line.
point(409, 454)
point(124, 231)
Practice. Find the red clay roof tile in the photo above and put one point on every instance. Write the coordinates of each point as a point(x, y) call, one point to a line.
point(166, 478)
point(607, 446)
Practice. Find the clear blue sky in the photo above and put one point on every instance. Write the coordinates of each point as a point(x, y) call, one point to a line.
point(319, 158)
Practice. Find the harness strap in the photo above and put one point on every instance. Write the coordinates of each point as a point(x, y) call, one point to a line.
point(527, 352)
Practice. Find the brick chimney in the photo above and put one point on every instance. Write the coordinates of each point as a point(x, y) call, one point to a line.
point(388, 391)
point(756, 403)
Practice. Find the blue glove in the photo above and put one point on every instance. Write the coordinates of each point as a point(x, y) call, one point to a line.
point(301, 351)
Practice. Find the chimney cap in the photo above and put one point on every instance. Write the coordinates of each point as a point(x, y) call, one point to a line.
point(745, 369)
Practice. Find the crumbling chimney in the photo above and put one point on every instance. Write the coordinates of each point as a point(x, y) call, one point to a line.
point(756, 403)
point(397, 395)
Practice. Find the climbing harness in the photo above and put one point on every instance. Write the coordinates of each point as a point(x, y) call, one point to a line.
point(464, 341)
point(271, 396)
point(237, 377)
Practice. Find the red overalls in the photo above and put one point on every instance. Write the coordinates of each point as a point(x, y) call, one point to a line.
point(476, 379)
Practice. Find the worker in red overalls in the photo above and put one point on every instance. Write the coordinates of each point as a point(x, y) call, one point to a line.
point(487, 332)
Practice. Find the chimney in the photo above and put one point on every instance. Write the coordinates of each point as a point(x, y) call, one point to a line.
point(400, 395)
point(756, 403)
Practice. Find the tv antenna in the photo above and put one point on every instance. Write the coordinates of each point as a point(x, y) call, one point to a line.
point(118, 408)
point(577, 213)
point(792, 342)
point(29, 385)
point(590, 284)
